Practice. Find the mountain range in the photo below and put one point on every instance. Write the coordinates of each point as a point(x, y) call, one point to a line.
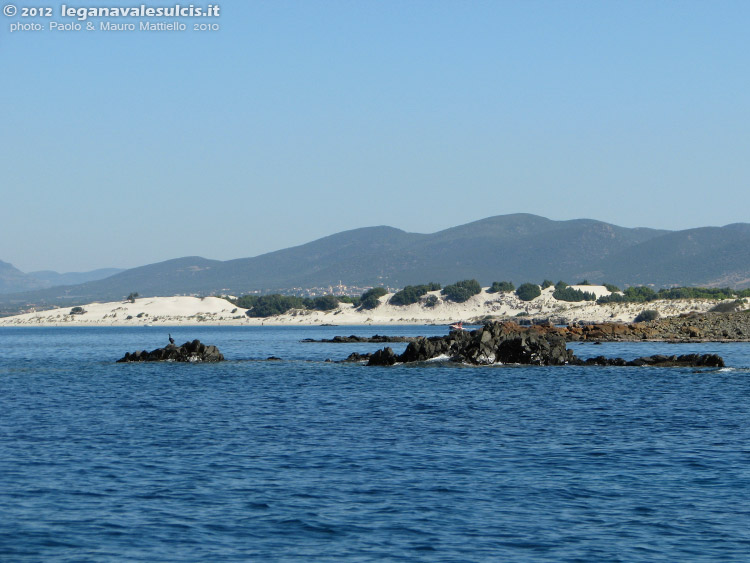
point(518, 248)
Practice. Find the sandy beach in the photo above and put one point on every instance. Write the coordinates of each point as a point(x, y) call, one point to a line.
point(185, 311)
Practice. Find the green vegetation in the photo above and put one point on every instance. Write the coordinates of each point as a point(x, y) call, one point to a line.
point(246, 301)
point(277, 304)
point(584, 282)
point(547, 283)
point(647, 315)
point(461, 291)
point(274, 304)
point(412, 293)
point(728, 306)
point(642, 294)
point(132, 296)
point(612, 288)
point(77, 311)
point(528, 291)
point(370, 298)
point(323, 303)
point(501, 287)
point(697, 293)
point(573, 295)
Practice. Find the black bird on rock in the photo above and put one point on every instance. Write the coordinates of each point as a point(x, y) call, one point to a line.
point(171, 340)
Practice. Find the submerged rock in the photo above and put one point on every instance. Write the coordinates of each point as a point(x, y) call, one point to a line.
point(194, 351)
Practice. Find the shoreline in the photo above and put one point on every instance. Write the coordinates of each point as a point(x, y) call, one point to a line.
point(179, 311)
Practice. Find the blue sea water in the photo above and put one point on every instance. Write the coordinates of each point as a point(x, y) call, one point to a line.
point(305, 460)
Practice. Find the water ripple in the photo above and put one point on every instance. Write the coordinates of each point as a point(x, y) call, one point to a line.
point(307, 461)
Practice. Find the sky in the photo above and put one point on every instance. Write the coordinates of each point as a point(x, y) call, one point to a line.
point(299, 119)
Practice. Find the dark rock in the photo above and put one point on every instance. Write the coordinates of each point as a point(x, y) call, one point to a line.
point(273, 359)
point(424, 349)
point(377, 338)
point(339, 339)
point(354, 357)
point(596, 361)
point(494, 343)
point(660, 360)
point(687, 360)
point(509, 343)
point(194, 351)
point(384, 357)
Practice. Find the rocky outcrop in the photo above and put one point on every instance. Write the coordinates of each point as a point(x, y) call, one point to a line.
point(509, 343)
point(194, 351)
point(506, 343)
point(659, 360)
point(356, 357)
point(703, 327)
point(384, 357)
point(377, 338)
point(691, 327)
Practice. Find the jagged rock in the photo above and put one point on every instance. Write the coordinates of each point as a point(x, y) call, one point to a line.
point(509, 343)
point(423, 349)
point(384, 357)
point(506, 343)
point(194, 351)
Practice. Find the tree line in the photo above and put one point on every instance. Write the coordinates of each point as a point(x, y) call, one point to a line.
point(461, 291)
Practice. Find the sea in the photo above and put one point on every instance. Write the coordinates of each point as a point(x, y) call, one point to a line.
point(304, 459)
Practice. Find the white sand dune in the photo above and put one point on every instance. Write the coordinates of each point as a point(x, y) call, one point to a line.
point(174, 311)
point(149, 310)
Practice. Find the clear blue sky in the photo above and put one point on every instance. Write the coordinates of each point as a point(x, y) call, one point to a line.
point(299, 119)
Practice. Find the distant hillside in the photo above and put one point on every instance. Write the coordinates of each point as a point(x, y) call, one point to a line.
point(517, 248)
point(709, 256)
point(13, 279)
point(48, 278)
